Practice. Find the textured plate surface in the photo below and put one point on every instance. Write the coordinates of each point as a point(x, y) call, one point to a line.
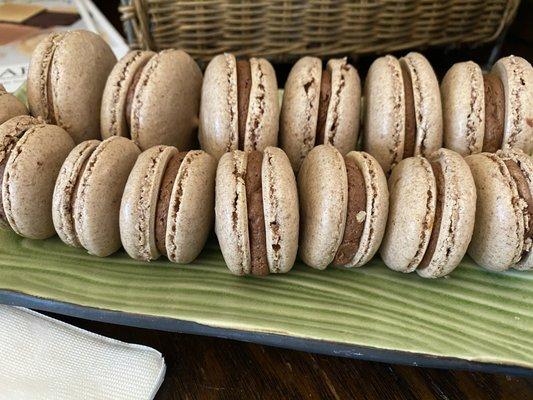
point(472, 317)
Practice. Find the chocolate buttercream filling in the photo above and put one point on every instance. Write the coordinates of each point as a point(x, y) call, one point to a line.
point(50, 94)
point(323, 105)
point(244, 86)
point(163, 200)
point(494, 113)
point(256, 215)
point(356, 215)
point(410, 118)
point(129, 100)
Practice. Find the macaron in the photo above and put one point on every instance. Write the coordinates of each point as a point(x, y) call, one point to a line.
point(320, 105)
point(503, 233)
point(10, 105)
point(168, 204)
point(153, 98)
point(239, 109)
point(87, 194)
point(256, 211)
point(31, 155)
point(66, 78)
point(485, 112)
point(431, 215)
point(344, 203)
point(403, 115)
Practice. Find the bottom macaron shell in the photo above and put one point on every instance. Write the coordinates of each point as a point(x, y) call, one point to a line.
point(29, 178)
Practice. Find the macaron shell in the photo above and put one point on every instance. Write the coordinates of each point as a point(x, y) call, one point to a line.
point(97, 200)
point(344, 109)
point(323, 193)
point(191, 211)
point(377, 207)
point(384, 115)
point(458, 214)
point(112, 116)
point(139, 203)
point(413, 194)
point(463, 108)
point(64, 191)
point(498, 232)
point(517, 78)
point(29, 179)
point(218, 132)
point(166, 101)
point(10, 106)
point(428, 108)
point(13, 127)
point(280, 205)
point(262, 122)
point(299, 109)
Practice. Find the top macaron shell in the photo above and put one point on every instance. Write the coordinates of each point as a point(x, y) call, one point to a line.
point(463, 104)
point(10, 106)
point(219, 109)
point(323, 192)
point(71, 67)
point(29, 177)
point(516, 75)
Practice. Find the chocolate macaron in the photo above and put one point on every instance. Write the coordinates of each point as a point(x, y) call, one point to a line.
point(168, 204)
point(491, 111)
point(431, 216)
point(31, 155)
point(256, 211)
point(239, 108)
point(344, 203)
point(10, 105)
point(86, 199)
point(153, 99)
point(320, 106)
point(403, 115)
point(503, 233)
point(66, 78)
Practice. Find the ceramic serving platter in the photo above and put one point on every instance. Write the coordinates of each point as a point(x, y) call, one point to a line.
point(473, 319)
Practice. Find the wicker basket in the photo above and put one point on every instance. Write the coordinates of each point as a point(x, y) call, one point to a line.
point(285, 30)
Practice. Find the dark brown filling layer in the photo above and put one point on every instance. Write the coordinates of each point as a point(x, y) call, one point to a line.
point(410, 118)
point(129, 99)
point(163, 200)
point(256, 216)
point(244, 85)
point(494, 113)
point(434, 238)
point(50, 95)
point(524, 192)
point(355, 218)
point(323, 105)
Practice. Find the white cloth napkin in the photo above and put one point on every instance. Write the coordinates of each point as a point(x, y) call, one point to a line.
point(45, 359)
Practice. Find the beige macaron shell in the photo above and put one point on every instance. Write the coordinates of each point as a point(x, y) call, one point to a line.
point(166, 101)
point(428, 108)
point(413, 193)
point(10, 106)
point(13, 127)
point(64, 191)
point(280, 206)
point(112, 116)
point(384, 112)
point(516, 75)
point(231, 213)
point(262, 122)
point(218, 132)
point(377, 207)
point(499, 229)
point(191, 211)
point(458, 214)
point(29, 179)
point(299, 110)
point(139, 202)
point(463, 108)
point(323, 194)
point(526, 165)
point(344, 109)
point(97, 200)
